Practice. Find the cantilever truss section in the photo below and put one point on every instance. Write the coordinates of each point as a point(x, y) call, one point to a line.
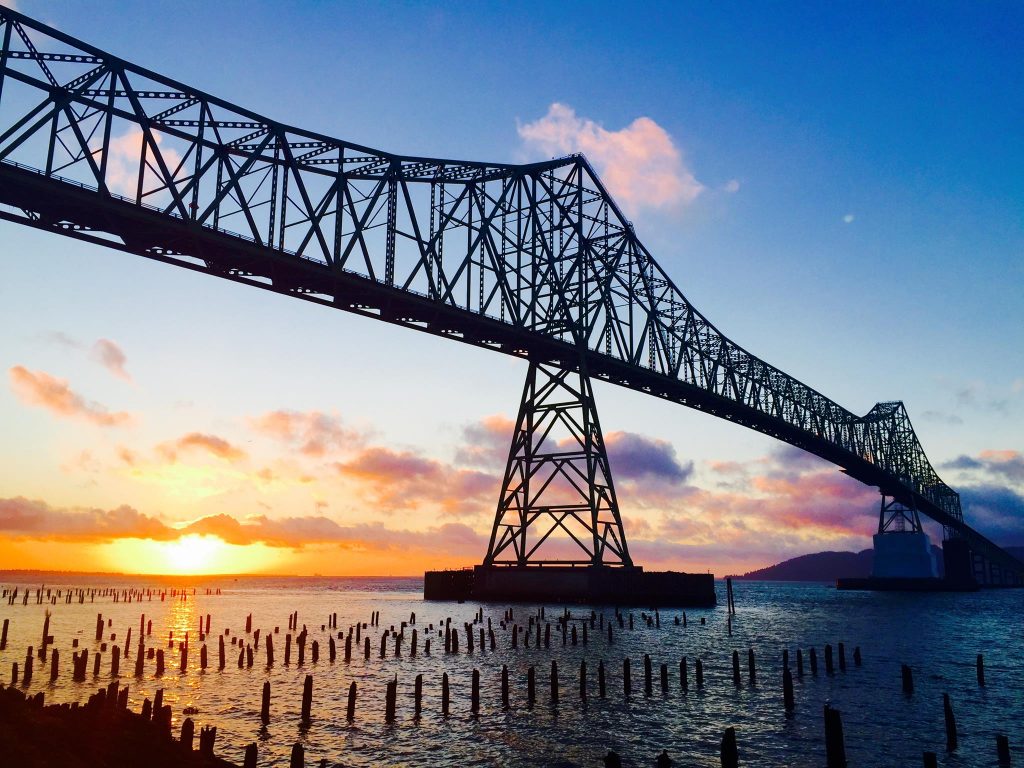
point(557, 495)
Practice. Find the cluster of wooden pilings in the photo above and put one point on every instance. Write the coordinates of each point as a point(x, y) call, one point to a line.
point(67, 595)
point(596, 677)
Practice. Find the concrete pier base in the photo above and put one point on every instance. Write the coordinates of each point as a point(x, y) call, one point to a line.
point(566, 584)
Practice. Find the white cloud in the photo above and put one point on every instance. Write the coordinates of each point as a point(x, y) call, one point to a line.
point(848, 218)
point(639, 164)
point(123, 163)
point(732, 186)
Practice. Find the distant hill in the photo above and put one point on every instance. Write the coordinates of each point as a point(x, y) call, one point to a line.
point(829, 566)
point(821, 566)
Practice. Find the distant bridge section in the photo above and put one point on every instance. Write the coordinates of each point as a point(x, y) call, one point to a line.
point(530, 260)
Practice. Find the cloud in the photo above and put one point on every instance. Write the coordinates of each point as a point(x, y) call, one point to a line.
point(403, 480)
point(108, 354)
point(732, 186)
point(1005, 464)
point(996, 510)
point(203, 443)
point(35, 519)
point(639, 164)
point(486, 443)
point(312, 433)
point(123, 163)
point(942, 418)
point(62, 339)
point(22, 518)
point(55, 395)
point(636, 457)
point(849, 218)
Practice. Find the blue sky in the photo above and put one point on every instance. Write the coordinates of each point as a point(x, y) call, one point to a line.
point(859, 224)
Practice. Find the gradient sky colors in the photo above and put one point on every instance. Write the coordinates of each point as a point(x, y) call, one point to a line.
point(837, 187)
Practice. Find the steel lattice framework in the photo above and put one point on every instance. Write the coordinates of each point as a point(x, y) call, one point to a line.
point(532, 260)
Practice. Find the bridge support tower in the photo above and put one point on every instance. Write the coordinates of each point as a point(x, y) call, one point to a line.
point(557, 533)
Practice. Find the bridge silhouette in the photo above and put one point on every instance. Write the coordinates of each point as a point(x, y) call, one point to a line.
point(533, 260)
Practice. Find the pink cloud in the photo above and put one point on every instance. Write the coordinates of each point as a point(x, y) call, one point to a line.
point(35, 519)
point(402, 480)
point(203, 443)
point(639, 164)
point(111, 357)
point(312, 433)
point(55, 395)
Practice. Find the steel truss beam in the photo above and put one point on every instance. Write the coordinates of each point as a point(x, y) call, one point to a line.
point(558, 483)
point(532, 260)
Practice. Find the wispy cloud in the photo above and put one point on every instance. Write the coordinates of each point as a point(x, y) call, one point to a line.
point(203, 443)
point(403, 480)
point(312, 433)
point(55, 395)
point(36, 519)
point(640, 164)
point(108, 354)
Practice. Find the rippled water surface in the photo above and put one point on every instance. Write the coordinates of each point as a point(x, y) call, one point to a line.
point(938, 635)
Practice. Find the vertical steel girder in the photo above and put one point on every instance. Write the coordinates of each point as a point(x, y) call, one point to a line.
point(557, 487)
point(894, 515)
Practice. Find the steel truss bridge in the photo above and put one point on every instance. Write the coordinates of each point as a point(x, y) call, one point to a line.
point(530, 260)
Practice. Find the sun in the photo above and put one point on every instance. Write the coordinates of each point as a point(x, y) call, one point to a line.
point(190, 555)
point(193, 554)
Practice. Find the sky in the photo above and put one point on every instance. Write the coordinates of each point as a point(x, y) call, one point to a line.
point(836, 186)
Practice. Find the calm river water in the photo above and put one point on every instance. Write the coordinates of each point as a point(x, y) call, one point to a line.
point(938, 635)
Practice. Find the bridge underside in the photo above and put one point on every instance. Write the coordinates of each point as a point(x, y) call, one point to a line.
point(76, 212)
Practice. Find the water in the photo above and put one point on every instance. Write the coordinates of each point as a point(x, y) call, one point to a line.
point(938, 635)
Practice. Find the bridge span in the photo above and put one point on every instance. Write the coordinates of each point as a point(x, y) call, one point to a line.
point(530, 260)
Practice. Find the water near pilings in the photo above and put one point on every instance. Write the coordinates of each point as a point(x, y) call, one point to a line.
point(938, 635)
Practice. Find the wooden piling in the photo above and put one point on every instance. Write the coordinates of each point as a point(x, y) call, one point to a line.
point(684, 677)
point(531, 686)
point(842, 657)
point(1003, 749)
point(699, 672)
point(307, 698)
point(250, 756)
point(188, 732)
point(908, 679)
point(729, 754)
point(951, 736)
point(390, 700)
point(814, 662)
point(115, 661)
point(930, 760)
point(298, 759)
point(647, 674)
point(751, 666)
point(856, 656)
point(583, 683)
point(220, 653)
point(554, 682)
point(445, 694)
point(835, 748)
point(980, 665)
point(736, 668)
point(787, 689)
point(350, 711)
point(829, 667)
point(474, 697)
point(626, 682)
point(418, 696)
point(664, 678)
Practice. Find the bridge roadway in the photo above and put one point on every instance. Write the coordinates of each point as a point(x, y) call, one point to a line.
point(532, 260)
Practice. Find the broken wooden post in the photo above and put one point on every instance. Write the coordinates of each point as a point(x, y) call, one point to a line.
point(265, 704)
point(298, 759)
point(787, 689)
point(729, 754)
point(307, 698)
point(600, 678)
point(531, 691)
point(250, 757)
point(554, 682)
point(418, 695)
point(981, 670)
point(908, 679)
point(951, 737)
point(445, 694)
point(350, 711)
point(626, 682)
point(188, 730)
point(474, 697)
point(835, 749)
